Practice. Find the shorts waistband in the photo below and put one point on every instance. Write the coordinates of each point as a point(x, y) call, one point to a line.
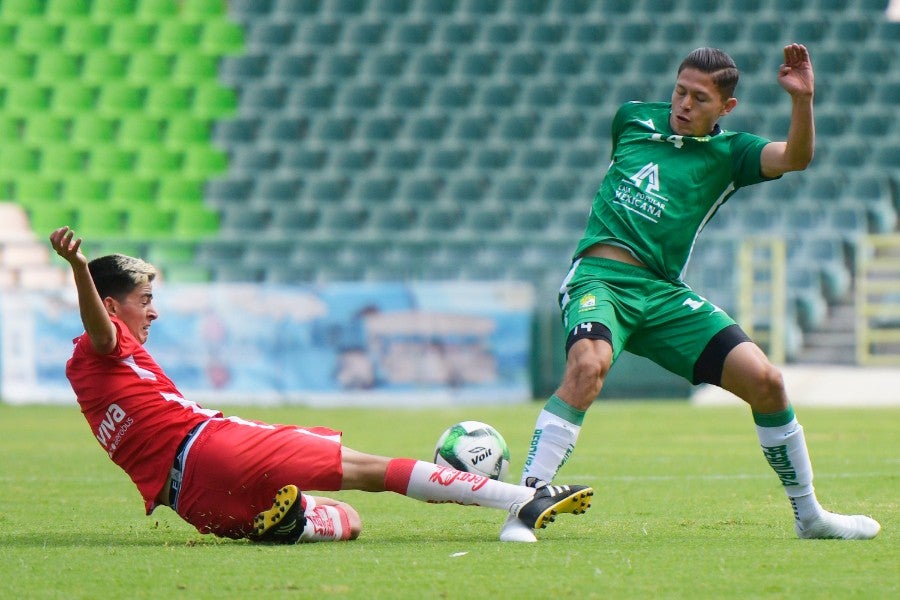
point(181, 453)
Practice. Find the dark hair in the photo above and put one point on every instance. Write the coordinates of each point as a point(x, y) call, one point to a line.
point(116, 275)
point(717, 64)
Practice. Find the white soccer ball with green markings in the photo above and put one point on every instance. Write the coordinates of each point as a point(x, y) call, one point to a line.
point(473, 447)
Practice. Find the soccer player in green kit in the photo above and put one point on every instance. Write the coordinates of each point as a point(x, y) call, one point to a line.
point(672, 168)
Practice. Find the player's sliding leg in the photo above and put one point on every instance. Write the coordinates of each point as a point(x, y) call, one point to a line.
point(555, 433)
point(533, 508)
point(784, 447)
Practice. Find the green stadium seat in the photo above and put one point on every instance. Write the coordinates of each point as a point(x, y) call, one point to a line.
point(78, 188)
point(17, 158)
point(127, 35)
point(204, 161)
point(157, 10)
point(149, 222)
point(113, 9)
point(45, 217)
point(54, 66)
point(15, 9)
point(128, 191)
point(175, 190)
point(177, 36)
point(25, 97)
point(213, 101)
point(102, 65)
point(202, 9)
point(73, 98)
point(110, 160)
point(37, 34)
point(194, 67)
point(121, 98)
point(195, 222)
point(184, 130)
point(15, 65)
point(62, 159)
point(379, 127)
point(99, 220)
point(172, 252)
point(139, 130)
point(149, 67)
point(46, 128)
point(84, 34)
point(7, 34)
point(35, 189)
point(157, 160)
point(473, 126)
point(221, 36)
point(164, 99)
point(11, 129)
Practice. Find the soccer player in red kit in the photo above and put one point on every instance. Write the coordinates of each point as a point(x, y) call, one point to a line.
point(219, 473)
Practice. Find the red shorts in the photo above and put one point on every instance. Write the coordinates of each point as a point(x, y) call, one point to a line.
point(234, 467)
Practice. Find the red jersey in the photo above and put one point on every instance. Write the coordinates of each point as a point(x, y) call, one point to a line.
point(135, 411)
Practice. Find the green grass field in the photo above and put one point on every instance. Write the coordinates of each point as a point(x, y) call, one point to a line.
point(685, 507)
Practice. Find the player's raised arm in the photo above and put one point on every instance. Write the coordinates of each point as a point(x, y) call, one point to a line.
point(94, 317)
point(795, 154)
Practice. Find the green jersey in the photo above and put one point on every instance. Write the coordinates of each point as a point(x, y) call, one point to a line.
point(662, 188)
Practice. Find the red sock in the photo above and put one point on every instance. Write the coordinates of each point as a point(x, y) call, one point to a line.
point(399, 471)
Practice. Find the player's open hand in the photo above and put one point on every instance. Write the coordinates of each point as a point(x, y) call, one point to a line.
point(67, 247)
point(796, 74)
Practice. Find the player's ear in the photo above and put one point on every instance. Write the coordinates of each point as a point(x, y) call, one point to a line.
point(110, 304)
point(729, 106)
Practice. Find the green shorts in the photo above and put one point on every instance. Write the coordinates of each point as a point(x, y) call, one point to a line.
point(651, 317)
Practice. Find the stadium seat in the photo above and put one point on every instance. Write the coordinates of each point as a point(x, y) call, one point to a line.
point(163, 99)
point(195, 221)
point(460, 33)
point(221, 192)
point(213, 101)
point(185, 129)
point(384, 63)
point(292, 218)
point(46, 128)
point(127, 35)
point(174, 190)
point(303, 157)
point(32, 189)
point(128, 191)
point(138, 130)
point(16, 159)
point(290, 66)
point(319, 33)
point(61, 159)
point(120, 98)
point(446, 158)
point(473, 126)
point(365, 33)
point(220, 36)
point(195, 68)
point(53, 66)
point(158, 160)
point(109, 160)
point(147, 67)
point(277, 189)
point(24, 98)
point(102, 65)
point(375, 189)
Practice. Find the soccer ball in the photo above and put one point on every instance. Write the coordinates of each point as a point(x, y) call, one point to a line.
point(473, 447)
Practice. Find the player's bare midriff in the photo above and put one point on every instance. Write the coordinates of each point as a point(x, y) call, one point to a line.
point(613, 253)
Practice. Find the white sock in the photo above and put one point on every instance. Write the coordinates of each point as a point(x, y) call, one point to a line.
point(433, 483)
point(784, 447)
point(553, 441)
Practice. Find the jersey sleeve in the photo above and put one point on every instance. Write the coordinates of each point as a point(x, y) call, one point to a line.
point(746, 152)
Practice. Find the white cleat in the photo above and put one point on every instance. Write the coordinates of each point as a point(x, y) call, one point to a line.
point(514, 530)
point(832, 526)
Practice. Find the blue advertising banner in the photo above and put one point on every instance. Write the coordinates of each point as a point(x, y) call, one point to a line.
point(378, 344)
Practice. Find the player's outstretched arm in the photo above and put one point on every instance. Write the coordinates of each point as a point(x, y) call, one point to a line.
point(94, 317)
point(795, 154)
